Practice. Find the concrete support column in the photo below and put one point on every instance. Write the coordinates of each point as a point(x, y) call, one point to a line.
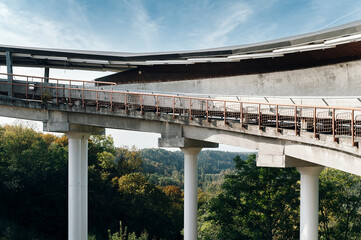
point(190, 148)
point(309, 202)
point(78, 186)
point(190, 192)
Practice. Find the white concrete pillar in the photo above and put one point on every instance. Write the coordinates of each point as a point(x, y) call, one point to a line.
point(190, 192)
point(78, 186)
point(309, 202)
point(84, 187)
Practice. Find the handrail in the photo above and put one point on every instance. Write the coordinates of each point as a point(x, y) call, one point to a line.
point(176, 96)
point(347, 126)
point(57, 79)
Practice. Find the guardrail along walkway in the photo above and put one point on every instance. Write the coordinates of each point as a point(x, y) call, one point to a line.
point(338, 121)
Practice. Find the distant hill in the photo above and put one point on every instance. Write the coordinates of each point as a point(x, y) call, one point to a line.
point(166, 167)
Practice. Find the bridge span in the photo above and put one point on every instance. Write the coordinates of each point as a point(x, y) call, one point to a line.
point(303, 136)
point(160, 92)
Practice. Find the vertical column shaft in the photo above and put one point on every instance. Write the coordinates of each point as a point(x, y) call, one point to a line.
point(190, 192)
point(84, 187)
point(9, 66)
point(309, 202)
point(78, 186)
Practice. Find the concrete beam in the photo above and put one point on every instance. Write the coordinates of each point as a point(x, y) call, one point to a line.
point(185, 143)
point(272, 154)
point(332, 158)
point(171, 130)
point(64, 127)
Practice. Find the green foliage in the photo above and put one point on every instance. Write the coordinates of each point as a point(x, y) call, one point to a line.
point(245, 203)
point(33, 185)
point(119, 191)
point(122, 235)
point(340, 205)
point(256, 203)
point(33, 189)
point(166, 168)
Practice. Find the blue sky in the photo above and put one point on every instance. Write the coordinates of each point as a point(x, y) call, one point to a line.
point(163, 25)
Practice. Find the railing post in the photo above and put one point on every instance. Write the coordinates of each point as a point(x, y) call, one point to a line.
point(353, 128)
point(126, 102)
point(241, 115)
point(259, 117)
point(82, 97)
point(141, 104)
point(334, 126)
point(190, 109)
point(57, 87)
point(111, 98)
point(207, 110)
point(296, 131)
point(97, 94)
point(173, 107)
point(157, 113)
point(70, 93)
point(277, 129)
point(225, 112)
point(42, 90)
point(27, 87)
point(314, 124)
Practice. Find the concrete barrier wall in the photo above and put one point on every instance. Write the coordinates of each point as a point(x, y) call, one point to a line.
point(330, 80)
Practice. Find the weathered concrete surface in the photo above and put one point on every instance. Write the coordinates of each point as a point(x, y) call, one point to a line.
point(275, 149)
point(331, 80)
point(65, 127)
point(182, 142)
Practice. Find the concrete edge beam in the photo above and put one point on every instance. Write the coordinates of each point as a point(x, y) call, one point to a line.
point(185, 143)
point(67, 127)
point(281, 161)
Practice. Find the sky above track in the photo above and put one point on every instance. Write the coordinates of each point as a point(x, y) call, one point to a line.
point(162, 25)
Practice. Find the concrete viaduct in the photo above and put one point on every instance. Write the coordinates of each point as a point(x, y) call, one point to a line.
point(295, 100)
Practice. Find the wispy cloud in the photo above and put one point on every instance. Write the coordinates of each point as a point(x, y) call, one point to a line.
point(143, 25)
point(22, 27)
point(231, 17)
point(213, 23)
point(136, 29)
point(146, 28)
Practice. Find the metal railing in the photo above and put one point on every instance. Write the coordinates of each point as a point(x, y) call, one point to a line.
point(337, 121)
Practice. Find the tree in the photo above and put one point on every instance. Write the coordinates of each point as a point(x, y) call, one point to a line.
point(143, 202)
point(33, 189)
point(123, 234)
point(256, 203)
point(32, 184)
point(340, 205)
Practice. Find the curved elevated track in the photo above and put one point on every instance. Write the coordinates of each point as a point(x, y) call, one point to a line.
point(99, 104)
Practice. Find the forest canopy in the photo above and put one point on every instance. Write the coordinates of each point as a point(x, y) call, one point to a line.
point(138, 194)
